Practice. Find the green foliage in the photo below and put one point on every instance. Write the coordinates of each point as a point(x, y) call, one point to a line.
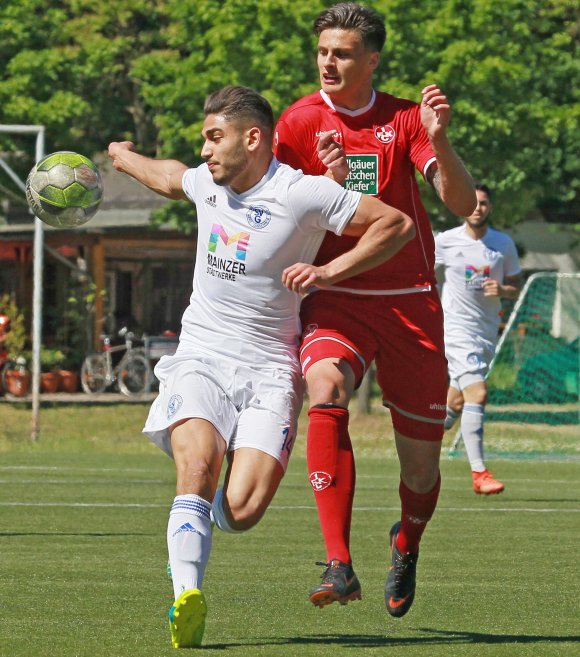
point(50, 359)
point(511, 73)
point(140, 70)
point(74, 334)
point(17, 337)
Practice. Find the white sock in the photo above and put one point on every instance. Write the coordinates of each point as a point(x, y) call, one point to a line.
point(218, 515)
point(472, 432)
point(450, 418)
point(188, 541)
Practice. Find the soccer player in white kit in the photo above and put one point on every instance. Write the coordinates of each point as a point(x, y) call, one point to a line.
point(480, 265)
point(234, 385)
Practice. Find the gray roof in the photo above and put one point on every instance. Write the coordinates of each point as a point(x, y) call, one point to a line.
point(126, 204)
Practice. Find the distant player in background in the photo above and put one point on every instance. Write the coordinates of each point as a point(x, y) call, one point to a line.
point(391, 314)
point(479, 266)
point(234, 385)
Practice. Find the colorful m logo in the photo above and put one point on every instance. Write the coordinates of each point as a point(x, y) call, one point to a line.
point(241, 238)
point(472, 272)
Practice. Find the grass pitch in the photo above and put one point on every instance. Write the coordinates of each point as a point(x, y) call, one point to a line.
point(83, 556)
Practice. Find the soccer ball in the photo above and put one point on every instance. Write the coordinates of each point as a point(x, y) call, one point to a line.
point(64, 189)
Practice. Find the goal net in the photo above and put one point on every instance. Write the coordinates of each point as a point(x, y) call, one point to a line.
point(537, 358)
point(533, 391)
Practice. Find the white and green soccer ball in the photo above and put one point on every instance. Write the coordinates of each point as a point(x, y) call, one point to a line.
point(64, 189)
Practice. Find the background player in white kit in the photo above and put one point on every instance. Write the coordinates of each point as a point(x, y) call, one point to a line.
point(234, 385)
point(480, 265)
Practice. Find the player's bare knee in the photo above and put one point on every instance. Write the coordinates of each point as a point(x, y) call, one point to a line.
point(457, 405)
point(193, 474)
point(244, 511)
point(327, 389)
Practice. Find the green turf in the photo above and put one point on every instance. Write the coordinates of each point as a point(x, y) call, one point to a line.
point(83, 555)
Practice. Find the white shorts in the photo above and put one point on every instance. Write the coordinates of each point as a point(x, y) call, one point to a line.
point(250, 406)
point(468, 357)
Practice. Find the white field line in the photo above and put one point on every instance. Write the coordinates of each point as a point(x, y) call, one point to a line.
point(276, 507)
point(289, 475)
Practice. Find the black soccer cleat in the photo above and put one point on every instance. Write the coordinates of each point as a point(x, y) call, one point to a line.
point(400, 584)
point(339, 584)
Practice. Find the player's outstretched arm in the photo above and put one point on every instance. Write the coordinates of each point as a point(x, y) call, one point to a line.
point(382, 230)
point(162, 176)
point(450, 177)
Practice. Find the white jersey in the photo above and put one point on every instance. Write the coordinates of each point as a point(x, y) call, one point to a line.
point(467, 264)
point(239, 307)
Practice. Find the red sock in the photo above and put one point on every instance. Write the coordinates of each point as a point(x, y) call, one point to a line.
point(332, 475)
point(416, 511)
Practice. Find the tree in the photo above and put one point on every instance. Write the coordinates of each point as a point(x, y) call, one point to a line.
point(141, 69)
point(512, 76)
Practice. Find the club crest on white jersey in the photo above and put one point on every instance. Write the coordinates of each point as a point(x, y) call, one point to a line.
point(258, 216)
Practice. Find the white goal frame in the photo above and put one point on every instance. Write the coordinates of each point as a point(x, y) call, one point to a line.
point(38, 264)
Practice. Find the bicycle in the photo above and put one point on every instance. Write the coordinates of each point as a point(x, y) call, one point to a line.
point(132, 374)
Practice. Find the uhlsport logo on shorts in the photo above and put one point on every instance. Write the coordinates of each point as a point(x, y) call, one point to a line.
point(320, 480)
point(175, 403)
point(258, 216)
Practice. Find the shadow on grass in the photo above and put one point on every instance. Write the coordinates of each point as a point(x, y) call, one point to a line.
point(95, 534)
point(436, 637)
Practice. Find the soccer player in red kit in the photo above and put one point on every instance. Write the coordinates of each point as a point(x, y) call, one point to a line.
point(373, 142)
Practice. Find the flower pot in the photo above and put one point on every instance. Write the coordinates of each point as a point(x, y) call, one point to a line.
point(69, 381)
point(49, 381)
point(17, 383)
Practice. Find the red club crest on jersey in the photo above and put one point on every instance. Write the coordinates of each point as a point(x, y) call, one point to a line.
point(320, 480)
point(385, 134)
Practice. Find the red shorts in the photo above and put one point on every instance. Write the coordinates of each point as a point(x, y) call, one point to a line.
point(402, 333)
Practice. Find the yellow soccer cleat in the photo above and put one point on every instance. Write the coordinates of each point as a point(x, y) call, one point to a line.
point(187, 619)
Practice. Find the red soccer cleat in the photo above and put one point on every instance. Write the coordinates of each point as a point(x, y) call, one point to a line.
point(485, 484)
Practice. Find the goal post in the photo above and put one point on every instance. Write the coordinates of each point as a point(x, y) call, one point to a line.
point(535, 372)
point(39, 132)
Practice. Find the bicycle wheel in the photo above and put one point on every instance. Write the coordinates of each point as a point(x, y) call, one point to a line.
point(134, 374)
point(94, 374)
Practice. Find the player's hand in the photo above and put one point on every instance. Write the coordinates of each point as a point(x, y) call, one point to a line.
point(300, 277)
point(435, 111)
point(492, 288)
point(116, 148)
point(332, 155)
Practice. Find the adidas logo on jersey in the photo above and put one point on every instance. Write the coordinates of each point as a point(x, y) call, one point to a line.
point(457, 255)
point(210, 200)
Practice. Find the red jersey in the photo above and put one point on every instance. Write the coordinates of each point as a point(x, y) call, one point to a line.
point(384, 143)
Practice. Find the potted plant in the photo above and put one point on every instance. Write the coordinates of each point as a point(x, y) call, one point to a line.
point(69, 372)
point(16, 375)
point(74, 333)
point(50, 362)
